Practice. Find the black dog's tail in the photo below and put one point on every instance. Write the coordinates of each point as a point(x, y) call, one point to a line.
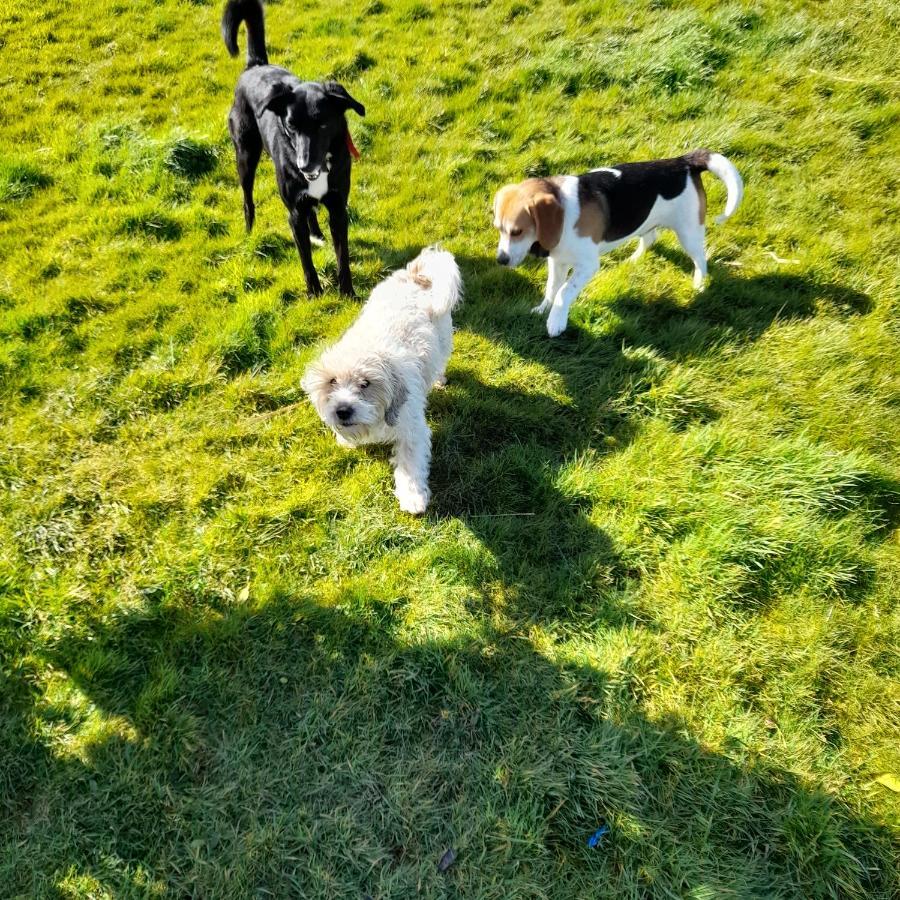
point(251, 12)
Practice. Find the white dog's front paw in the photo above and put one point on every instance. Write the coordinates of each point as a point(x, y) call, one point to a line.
point(412, 499)
point(557, 321)
point(541, 308)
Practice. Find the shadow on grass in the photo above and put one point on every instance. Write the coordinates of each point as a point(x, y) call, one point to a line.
point(500, 450)
point(284, 748)
point(290, 749)
point(732, 308)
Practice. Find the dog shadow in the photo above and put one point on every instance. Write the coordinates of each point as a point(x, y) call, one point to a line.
point(498, 458)
point(731, 309)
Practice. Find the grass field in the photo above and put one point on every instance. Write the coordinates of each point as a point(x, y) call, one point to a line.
point(658, 585)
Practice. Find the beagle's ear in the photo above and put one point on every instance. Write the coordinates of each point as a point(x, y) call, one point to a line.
point(547, 213)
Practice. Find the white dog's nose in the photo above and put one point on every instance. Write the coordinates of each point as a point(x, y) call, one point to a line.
point(344, 412)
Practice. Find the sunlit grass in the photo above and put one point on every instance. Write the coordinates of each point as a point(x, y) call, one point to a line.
point(658, 584)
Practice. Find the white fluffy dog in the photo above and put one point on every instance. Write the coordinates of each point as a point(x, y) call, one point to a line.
point(372, 386)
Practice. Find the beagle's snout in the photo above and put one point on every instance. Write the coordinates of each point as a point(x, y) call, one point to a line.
point(503, 257)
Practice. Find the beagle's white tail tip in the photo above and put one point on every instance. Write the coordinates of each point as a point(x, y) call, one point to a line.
point(724, 170)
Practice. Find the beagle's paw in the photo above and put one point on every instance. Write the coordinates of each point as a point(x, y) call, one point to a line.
point(557, 321)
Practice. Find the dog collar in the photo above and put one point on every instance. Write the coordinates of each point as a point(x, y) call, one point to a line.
point(351, 146)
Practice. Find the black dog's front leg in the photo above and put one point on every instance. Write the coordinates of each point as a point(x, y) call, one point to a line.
point(337, 222)
point(314, 230)
point(299, 219)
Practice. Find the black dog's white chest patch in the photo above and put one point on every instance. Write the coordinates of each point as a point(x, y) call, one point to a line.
point(318, 188)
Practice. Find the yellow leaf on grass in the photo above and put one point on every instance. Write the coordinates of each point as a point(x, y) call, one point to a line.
point(244, 594)
point(892, 782)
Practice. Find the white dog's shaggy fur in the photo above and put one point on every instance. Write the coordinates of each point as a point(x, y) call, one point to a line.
point(372, 386)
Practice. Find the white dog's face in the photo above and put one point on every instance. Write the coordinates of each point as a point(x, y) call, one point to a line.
point(353, 396)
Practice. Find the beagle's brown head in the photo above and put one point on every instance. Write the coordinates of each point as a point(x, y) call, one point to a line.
point(527, 214)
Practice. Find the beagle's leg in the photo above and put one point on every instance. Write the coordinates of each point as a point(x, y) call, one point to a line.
point(559, 313)
point(693, 239)
point(557, 273)
point(644, 244)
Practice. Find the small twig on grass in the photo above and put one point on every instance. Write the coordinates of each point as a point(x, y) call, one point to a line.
point(499, 515)
point(556, 809)
point(779, 259)
point(852, 80)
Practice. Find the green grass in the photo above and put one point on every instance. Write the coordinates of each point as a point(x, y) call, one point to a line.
point(658, 586)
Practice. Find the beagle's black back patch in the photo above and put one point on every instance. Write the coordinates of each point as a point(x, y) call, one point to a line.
point(630, 196)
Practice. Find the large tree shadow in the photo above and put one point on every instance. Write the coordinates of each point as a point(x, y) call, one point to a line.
point(290, 749)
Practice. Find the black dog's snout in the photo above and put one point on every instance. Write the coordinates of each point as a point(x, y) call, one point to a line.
point(503, 257)
point(344, 413)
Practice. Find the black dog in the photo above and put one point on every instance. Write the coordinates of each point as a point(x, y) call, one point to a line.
point(302, 126)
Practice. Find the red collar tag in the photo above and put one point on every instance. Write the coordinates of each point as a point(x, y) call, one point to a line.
point(351, 146)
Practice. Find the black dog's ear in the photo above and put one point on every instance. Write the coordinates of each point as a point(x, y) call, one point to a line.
point(276, 100)
point(339, 93)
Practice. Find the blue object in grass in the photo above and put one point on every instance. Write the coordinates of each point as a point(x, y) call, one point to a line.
point(595, 839)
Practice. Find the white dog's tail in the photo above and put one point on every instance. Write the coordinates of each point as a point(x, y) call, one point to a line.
point(724, 170)
point(436, 270)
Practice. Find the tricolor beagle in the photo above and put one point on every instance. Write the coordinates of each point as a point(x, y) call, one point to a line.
point(573, 220)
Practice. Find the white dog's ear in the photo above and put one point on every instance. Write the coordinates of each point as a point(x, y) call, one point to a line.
point(314, 380)
point(398, 393)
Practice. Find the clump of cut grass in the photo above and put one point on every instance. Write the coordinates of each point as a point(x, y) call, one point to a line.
point(152, 224)
point(360, 62)
point(190, 158)
point(21, 180)
point(245, 340)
